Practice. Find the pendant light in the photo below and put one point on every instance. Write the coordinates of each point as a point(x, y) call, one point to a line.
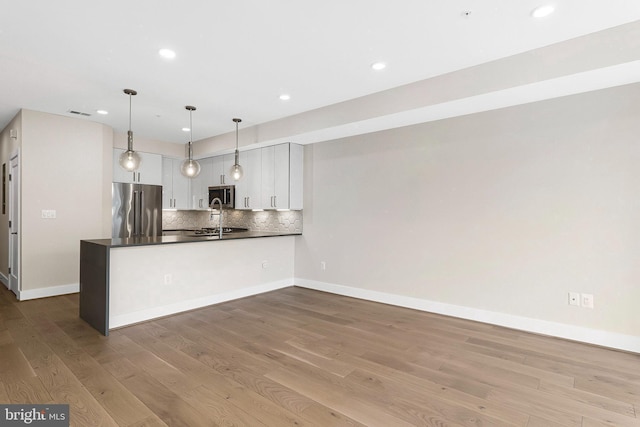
point(236, 169)
point(190, 168)
point(130, 160)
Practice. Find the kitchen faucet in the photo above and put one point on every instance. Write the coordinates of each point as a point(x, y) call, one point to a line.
point(213, 202)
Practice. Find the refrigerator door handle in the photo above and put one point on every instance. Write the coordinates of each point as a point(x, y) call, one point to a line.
point(136, 224)
point(141, 213)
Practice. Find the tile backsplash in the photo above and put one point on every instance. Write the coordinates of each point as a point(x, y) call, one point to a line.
point(256, 221)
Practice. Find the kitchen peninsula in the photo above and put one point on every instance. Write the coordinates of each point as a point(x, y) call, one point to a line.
point(126, 281)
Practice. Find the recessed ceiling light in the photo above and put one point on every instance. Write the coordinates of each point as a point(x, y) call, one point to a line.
point(103, 112)
point(185, 129)
point(285, 97)
point(167, 53)
point(542, 11)
point(378, 66)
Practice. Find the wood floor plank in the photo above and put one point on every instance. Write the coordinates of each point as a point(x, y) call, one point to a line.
point(366, 413)
point(152, 421)
point(191, 388)
point(5, 337)
point(464, 393)
point(592, 399)
point(121, 405)
point(615, 387)
point(535, 421)
point(399, 401)
point(27, 390)
point(4, 397)
point(404, 398)
point(555, 407)
point(167, 405)
point(13, 363)
point(233, 379)
point(297, 357)
point(86, 411)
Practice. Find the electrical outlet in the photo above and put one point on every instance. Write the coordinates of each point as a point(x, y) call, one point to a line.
point(574, 298)
point(323, 265)
point(265, 264)
point(48, 214)
point(587, 300)
point(167, 279)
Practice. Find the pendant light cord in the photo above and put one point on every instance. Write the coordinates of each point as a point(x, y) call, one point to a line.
point(190, 134)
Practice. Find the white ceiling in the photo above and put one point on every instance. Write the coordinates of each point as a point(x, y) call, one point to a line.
point(235, 58)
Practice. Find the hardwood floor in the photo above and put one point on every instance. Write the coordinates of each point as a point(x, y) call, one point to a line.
point(296, 357)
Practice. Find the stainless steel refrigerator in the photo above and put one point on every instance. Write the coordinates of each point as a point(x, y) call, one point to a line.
point(136, 210)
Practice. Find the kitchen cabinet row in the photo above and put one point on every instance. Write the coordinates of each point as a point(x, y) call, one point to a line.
point(272, 178)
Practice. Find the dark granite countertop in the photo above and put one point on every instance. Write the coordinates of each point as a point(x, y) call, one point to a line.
point(162, 240)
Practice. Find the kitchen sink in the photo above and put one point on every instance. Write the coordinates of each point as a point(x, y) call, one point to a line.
point(208, 232)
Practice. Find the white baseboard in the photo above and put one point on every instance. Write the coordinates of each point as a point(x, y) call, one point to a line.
point(5, 280)
point(117, 321)
point(560, 330)
point(51, 291)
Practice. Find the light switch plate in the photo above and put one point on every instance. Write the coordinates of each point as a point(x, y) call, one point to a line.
point(587, 300)
point(48, 213)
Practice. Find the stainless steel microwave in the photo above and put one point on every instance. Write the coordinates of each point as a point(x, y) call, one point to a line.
point(226, 194)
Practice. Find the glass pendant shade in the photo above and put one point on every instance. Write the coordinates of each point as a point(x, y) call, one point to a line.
point(236, 171)
point(130, 160)
point(190, 168)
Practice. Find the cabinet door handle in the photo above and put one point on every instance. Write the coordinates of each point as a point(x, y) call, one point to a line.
point(134, 176)
point(275, 202)
point(222, 178)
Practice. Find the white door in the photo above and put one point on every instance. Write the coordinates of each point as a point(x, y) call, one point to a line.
point(14, 224)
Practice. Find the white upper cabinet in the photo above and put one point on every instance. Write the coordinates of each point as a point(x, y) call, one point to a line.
point(272, 178)
point(149, 172)
point(200, 185)
point(175, 186)
point(249, 187)
point(282, 177)
point(221, 166)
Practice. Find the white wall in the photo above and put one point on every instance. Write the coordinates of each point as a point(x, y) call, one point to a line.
point(65, 163)
point(502, 212)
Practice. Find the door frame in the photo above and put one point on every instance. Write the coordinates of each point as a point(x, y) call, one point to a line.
point(14, 220)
